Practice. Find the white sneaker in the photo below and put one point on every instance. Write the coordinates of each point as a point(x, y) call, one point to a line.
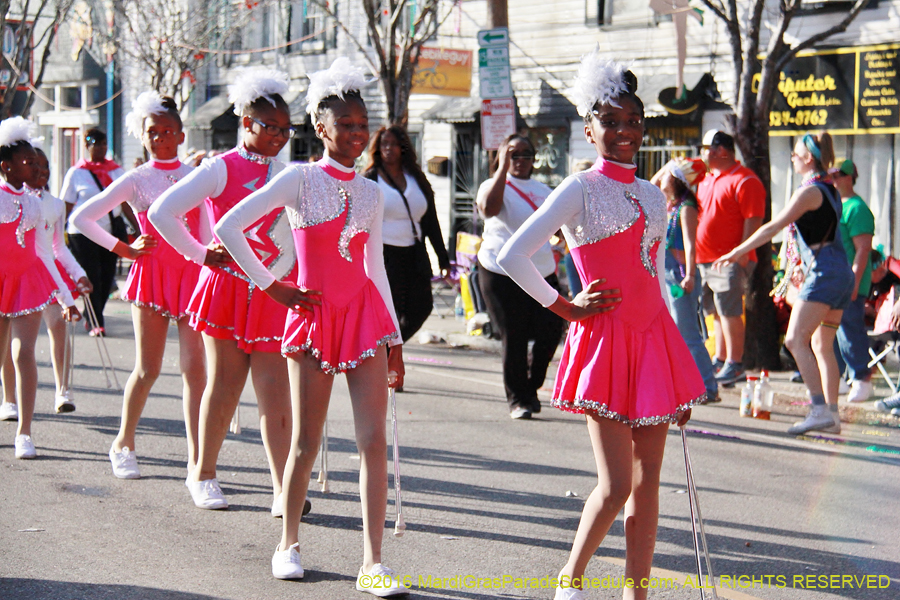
point(569, 593)
point(843, 387)
point(124, 464)
point(860, 391)
point(278, 506)
point(819, 418)
point(9, 412)
point(380, 581)
point(207, 494)
point(286, 563)
point(24, 447)
point(64, 402)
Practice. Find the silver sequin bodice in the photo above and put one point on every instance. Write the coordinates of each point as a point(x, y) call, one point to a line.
point(611, 207)
point(150, 183)
point(323, 198)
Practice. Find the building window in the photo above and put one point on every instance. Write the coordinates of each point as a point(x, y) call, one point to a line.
point(310, 27)
point(598, 12)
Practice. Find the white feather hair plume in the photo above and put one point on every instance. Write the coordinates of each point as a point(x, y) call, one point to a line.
point(598, 80)
point(252, 84)
point(338, 79)
point(146, 104)
point(15, 130)
point(37, 143)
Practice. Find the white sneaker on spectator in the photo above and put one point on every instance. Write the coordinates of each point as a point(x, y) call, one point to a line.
point(24, 447)
point(380, 581)
point(64, 402)
point(124, 464)
point(860, 391)
point(286, 563)
point(819, 418)
point(843, 387)
point(207, 494)
point(9, 412)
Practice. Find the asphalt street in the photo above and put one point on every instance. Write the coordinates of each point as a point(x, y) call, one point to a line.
point(490, 504)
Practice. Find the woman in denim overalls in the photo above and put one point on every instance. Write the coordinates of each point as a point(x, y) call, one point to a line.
point(813, 214)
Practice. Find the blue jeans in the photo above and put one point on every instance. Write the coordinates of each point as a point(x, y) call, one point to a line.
point(686, 314)
point(851, 346)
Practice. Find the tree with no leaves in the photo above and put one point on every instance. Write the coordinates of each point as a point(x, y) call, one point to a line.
point(396, 33)
point(755, 84)
point(36, 24)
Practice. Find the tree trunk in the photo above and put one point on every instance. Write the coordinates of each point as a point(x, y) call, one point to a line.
point(762, 340)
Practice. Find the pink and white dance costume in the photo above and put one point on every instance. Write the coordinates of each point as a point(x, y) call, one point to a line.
point(630, 364)
point(66, 264)
point(225, 304)
point(162, 280)
point(28, 275)
point(336, 217)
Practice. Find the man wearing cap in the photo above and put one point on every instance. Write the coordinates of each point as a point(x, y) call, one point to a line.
point(732, 205)
point(857, 229)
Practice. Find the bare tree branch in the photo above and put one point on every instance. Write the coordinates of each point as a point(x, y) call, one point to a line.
point(815, 39)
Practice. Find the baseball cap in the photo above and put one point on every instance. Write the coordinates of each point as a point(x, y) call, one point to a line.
point(714, 137)
point(845, 167)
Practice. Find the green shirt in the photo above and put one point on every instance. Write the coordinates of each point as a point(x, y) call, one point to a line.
point(857, 219)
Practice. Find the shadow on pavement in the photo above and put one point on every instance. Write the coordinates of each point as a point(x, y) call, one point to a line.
point(34, 589)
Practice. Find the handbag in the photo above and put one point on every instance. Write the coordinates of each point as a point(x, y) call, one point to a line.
point(117, 226)
point(421, 262)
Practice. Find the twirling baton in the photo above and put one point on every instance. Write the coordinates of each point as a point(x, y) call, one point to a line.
point(695, 520)
point(399, 525)
point(69, 357)
point(323, 460)
point(101, 345)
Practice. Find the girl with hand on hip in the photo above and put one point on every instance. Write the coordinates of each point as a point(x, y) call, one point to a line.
point(341, 313)
point(241, 327)
point(625, 364)
point(160, 282)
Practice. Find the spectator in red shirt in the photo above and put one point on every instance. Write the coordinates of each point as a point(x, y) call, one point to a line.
point(732, 205)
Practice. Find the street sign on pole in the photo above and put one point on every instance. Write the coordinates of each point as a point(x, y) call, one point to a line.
point(488, 38)
point(498, 120)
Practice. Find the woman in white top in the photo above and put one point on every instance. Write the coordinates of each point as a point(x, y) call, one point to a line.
point(506, 201)
point(87, 178)
point(409, 217)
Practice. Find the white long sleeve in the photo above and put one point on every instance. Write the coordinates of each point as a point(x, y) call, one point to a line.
point(563, 207)
point(85, 217)
point(374, 257)
point(206, 181)
point(56, 218)
point(43, 247)
point(278, 193)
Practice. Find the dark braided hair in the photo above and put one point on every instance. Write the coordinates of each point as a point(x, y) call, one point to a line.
point(631, 85)
point(326, 103)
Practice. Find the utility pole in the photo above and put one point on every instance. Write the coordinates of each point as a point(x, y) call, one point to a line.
point(498, 15)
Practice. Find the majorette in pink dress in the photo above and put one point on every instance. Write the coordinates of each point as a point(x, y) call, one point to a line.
point(55, 213)
point(226, 304)
point(162, 280)
point(332, 214)
point(26, 284)
point(630, 364)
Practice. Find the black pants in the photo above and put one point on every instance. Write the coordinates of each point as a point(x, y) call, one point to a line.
point(410, 289)
point(100, 266)
point(518, 318)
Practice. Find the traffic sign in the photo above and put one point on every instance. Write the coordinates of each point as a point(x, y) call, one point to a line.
point(498, 121)
point(495, 82)
point(493, 57)
point(488, 38)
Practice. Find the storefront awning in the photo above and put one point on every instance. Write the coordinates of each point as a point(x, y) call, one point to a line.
point(454, 110)
point(209, 111)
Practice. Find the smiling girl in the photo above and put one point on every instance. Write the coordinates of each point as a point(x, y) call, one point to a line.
point(625, 365)
point(342, 315)
point(160, 281)
point(241, 327)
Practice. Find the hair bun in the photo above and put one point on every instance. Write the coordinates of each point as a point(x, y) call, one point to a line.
point(169, 103)
point(631, 82)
